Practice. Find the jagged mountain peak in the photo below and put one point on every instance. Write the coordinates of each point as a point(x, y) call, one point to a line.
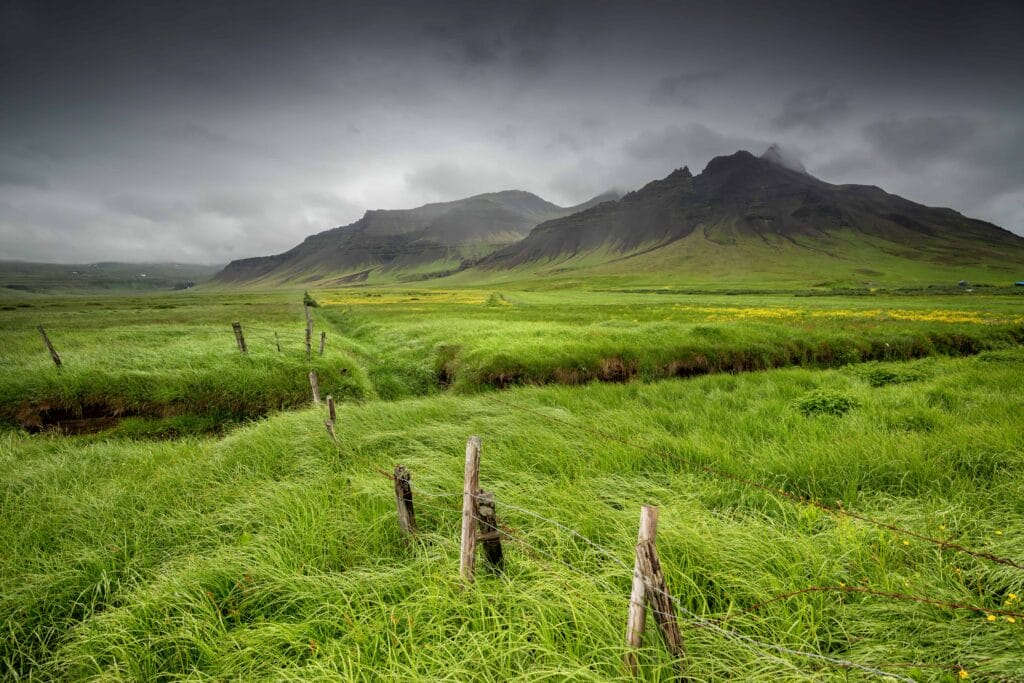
point(784, 158)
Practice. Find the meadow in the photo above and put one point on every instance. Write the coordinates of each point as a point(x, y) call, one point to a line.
point(241, 542)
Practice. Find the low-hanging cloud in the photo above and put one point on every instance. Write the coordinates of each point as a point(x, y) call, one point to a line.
point(812, 108)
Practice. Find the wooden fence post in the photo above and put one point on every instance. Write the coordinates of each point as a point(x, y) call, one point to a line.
point(329, 423)
point(403, 501)
point(323, 340)
point(239, 337)
point(470, 486)
point(637, 611)
point(277, 340)
point(490, 536)
point(49, 347)
point(315, 386)
point(309, 339)
point(661, 604)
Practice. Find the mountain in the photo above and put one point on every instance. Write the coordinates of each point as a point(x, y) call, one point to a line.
point(409, 243)
point(766, 217)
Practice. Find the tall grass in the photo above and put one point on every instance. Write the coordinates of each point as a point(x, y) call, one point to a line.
point(273, 553)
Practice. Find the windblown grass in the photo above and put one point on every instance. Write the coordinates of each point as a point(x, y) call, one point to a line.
point(273, 554)
point(165, 357)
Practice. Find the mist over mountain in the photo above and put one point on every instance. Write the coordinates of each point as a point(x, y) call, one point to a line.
point(428, 240)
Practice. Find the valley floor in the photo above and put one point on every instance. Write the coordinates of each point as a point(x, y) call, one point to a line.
point(837, 521)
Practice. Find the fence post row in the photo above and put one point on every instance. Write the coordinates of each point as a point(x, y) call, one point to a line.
point(649, 589)
point(49, 347)
point(403, 502)
point(239, 337)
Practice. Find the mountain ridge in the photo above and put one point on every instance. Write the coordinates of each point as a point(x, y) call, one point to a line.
point(439, 235)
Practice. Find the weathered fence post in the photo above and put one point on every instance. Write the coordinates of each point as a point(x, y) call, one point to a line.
point(239, 337)
point(323, 340)
point(661, 603)
point(329, 423)
point(403, 501)
point(277, 340)
point(637, 611)
point(49, 347)
point(315, 386)
point(470, 486)
point(490, 536)
point(309, 340)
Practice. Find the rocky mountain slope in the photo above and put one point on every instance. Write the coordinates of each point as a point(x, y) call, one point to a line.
point(429, 240)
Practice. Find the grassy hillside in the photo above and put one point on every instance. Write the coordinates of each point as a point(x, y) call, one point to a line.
point(273, 554)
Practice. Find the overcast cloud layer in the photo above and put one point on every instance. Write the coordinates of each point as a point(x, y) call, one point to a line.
point(205, 132)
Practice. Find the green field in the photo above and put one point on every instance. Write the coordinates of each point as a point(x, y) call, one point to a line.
point(207, 528)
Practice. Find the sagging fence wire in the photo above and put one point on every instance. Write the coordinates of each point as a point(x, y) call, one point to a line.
point(760, 647)
point(838, 511)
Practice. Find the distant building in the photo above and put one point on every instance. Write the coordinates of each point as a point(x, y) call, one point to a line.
point(1020, 284)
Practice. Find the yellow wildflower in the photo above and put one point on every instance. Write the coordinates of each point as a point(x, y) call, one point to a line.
point(991, 617)
point(1011, 620)
point(1013, 596)
point(906, 542)
point(962, 673)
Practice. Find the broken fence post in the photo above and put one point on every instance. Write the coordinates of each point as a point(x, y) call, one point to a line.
point(323, 340)
point(471, 484)
point(239, 337)
point(315, 386)
point(49, 347)
point(637, 611)
point(403, 501)
point(490, 536)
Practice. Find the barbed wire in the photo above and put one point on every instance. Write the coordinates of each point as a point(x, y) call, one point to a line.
point(837, 511)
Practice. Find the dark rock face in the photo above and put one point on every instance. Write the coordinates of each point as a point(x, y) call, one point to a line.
point(406, 238)
point(741, 196)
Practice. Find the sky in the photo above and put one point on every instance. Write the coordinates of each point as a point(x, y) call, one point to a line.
point(209, 131)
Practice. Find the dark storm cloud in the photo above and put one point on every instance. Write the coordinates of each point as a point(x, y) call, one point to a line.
point(812, 107)
point(920, 139)
point(695, 142)
point(209, 131)
point(683, 89)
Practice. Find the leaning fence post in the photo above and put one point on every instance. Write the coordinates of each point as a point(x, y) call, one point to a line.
point(661, 604)
point(239, 337)
point(323, 340)
point(403, 501)
point(277, 340)
point(471, 483)
point(490, 536)
point(315, 386)
point(53, 352)
point(637, 611)
point(329, 423)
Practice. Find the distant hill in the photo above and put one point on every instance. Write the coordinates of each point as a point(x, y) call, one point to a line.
point(21, 277)
point(746, 218)
point(427, 241)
